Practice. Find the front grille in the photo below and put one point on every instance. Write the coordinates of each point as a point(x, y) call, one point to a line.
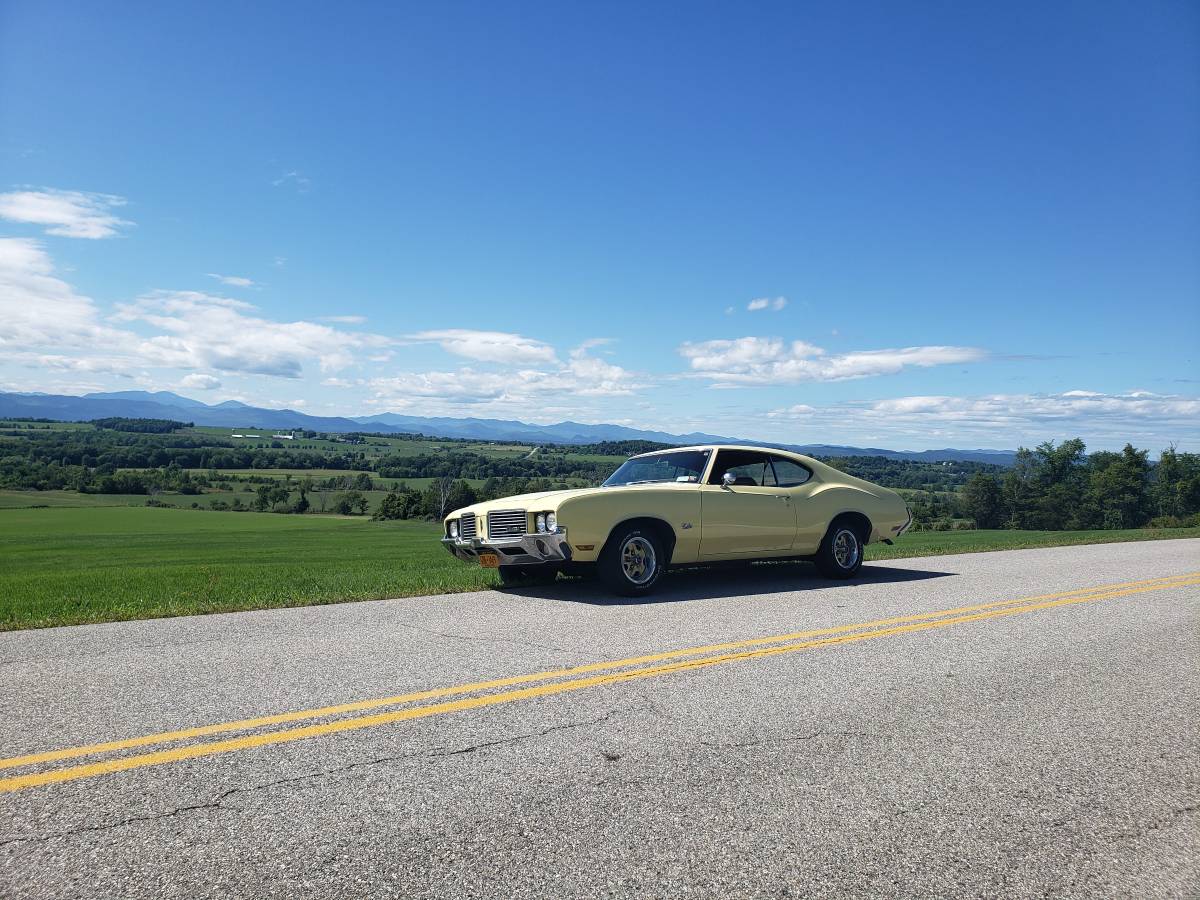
point(506, 523)
point(466, 526)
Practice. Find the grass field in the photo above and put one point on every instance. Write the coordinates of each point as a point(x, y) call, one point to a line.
point(66, 566)
point(372, 449)
point(62, 566)
point(26, 499)
point(242, 490)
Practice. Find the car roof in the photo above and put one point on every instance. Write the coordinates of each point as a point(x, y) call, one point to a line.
point(749, 447)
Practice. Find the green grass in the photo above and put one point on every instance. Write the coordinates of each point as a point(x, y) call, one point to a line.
point(26, 499)
point(372, 449)
point(69, 566)
point(63, 566)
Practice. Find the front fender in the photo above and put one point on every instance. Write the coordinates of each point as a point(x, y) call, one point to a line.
point(590, 520)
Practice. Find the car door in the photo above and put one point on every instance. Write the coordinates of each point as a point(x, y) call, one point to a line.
point(752, 515)
point(811, 520)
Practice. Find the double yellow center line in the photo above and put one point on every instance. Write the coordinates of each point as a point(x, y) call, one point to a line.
point(541, 684)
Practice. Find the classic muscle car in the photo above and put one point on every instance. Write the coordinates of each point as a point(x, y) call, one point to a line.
point(682, 507)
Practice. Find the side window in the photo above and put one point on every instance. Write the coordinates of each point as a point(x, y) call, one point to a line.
point(748, 468)
point(789, 473)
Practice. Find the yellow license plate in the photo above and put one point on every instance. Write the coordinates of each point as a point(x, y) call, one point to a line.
point(489, 560)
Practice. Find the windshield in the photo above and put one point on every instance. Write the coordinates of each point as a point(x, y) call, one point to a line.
point(681, 465)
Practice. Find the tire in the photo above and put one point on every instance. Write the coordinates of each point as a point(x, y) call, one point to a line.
point(841, 552)
point(632, 561)
point(517, 576)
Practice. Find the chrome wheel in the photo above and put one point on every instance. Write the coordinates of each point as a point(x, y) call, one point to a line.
point(638, 561)
point(846, 549)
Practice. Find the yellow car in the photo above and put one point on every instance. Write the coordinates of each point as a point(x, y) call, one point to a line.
point(682, 507)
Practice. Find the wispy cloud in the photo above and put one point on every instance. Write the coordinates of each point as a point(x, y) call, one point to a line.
point(774, 304)
point(1013, 418)
point(76, 214)
point(232, 280)
point(343, 320)
point(488, 346)
point(526, 388)
point(293, 179)
point(770, 360)
point(40, 310)
point(42, 316)
point(210, 332)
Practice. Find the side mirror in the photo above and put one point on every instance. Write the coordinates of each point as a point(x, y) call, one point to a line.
point(727, 480)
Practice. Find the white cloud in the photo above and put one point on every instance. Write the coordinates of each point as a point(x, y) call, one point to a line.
point(582, 375)
point(41, 316)
point(77, 214)
point(39, 310)
point(200, 382)
point(52, 362)
point(208, 332)
point(1013, 418)
point(774, 305)
point(769, 360)
point(489, 346)
point(232, 280)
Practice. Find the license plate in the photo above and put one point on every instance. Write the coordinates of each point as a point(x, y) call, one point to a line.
point(489, 560)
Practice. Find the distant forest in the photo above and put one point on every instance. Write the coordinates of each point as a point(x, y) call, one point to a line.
point(1050, 487)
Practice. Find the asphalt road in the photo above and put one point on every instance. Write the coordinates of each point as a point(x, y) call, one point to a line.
point(1003, 724)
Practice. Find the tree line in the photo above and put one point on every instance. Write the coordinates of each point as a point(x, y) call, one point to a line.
point(1050, 487)
point(141, 426)
point(1061, 487)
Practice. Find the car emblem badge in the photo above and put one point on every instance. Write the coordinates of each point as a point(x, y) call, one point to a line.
point(687, 525)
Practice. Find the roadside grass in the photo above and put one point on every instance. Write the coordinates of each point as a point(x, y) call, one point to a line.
point(942, 543)
point(64, 566)
point(70, 566)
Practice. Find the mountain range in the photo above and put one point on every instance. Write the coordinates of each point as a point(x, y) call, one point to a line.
point(233, 414)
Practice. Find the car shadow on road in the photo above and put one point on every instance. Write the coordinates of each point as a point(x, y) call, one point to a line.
point(701, 583)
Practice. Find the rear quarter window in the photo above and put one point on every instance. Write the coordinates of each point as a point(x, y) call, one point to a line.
point(789, 473)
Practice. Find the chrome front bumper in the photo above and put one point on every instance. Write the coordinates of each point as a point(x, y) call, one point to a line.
point(526, 550)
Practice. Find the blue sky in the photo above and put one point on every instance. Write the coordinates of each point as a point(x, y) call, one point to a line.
point(905, 225)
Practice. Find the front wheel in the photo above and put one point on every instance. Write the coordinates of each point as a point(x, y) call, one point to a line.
point(841, 552)
point(632, 561)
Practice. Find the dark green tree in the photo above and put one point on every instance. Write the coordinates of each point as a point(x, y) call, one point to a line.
point(1118, 493)
point(983, 501)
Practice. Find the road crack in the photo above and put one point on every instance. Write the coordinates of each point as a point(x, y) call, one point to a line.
point(793, 739)
point(219, 802)
point(524, 737)
point(478, 639)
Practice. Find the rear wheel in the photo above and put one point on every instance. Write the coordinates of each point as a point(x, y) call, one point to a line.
point(632, 561)
point(841, 552)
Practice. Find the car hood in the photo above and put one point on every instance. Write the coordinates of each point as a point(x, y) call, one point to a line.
point(541, 501)
point(549, 501)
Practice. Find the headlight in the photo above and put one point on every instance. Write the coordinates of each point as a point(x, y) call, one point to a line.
point(454, 529)
point(551, 522)
point(541, 521)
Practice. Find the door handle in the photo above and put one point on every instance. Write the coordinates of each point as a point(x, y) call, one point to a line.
point(782, 497)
